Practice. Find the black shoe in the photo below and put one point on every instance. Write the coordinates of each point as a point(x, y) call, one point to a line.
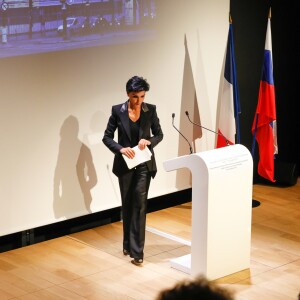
point(137, 261)
point(126, 252)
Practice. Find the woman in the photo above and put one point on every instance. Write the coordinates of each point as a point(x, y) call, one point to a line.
point(138, 125)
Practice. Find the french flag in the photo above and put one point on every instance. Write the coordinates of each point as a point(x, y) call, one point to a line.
point(264, 128)
point(229, 106)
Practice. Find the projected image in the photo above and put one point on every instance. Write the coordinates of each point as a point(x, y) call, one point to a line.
point(33, 26)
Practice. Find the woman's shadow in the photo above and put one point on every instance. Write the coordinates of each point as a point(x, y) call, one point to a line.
point(75, 173)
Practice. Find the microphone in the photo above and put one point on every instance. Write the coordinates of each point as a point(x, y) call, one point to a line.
point(220, 134)
point(191, 149)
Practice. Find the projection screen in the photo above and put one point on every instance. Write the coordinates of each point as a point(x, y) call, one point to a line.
point(58, 84)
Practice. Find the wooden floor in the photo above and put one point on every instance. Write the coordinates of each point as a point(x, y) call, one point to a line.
point(90, 264)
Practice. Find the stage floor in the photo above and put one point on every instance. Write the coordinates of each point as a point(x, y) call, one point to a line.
point(90, 264)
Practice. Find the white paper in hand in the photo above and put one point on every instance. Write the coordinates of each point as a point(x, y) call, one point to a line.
point(140, 157)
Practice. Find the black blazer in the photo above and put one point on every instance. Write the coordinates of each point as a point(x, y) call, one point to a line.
point(149, 129)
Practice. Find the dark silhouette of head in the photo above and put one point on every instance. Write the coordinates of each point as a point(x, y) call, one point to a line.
point(198, 289)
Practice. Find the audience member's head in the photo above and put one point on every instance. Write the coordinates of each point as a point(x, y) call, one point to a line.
point(197, 289)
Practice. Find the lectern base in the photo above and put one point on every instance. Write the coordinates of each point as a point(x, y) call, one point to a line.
point(182, 263)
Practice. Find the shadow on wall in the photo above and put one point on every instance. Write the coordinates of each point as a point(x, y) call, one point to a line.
point(75, 174)
point(188, 103)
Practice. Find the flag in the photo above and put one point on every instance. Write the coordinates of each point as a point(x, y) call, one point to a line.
point(229, 105)
point(264, 128)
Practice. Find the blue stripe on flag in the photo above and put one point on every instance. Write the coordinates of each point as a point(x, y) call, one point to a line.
point(267, 72)
point(230, 76)
point(227, 71)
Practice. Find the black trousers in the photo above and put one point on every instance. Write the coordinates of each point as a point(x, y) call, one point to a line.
point(134, 187)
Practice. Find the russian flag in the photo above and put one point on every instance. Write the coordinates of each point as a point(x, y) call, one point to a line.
point(229, 105)
point(264, 125)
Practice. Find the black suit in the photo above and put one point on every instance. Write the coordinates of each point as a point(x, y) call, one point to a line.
point(134, 183)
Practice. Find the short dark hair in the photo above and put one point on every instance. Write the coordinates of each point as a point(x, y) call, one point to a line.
point(200, 288)
point(137, 84)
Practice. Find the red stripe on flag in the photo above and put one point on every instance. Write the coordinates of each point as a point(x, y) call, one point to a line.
point(221, 140)
point(266, 104)
point(266, 113)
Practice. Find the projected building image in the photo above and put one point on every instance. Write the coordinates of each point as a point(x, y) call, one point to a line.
point(33, 26)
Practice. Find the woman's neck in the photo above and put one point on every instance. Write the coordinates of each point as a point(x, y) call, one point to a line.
point(134, 112)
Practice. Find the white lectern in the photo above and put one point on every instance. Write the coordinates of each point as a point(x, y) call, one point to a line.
point(221, 211)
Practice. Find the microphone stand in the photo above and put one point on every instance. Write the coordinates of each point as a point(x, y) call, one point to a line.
point(220, 134)
point(191, 149)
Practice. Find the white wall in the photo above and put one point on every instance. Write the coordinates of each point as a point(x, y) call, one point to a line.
point(54, 109)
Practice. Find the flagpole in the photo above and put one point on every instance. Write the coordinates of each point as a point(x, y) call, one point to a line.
point(268, 111)
point(254, 137)
point(235, 89)
point(228, 102)
point(255, 203)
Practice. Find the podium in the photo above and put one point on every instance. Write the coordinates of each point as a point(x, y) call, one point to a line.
point(221, 211)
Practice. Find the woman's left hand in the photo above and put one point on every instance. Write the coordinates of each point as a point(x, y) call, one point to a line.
point(143, 144)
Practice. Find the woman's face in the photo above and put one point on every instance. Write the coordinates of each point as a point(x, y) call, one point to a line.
point(136, 98)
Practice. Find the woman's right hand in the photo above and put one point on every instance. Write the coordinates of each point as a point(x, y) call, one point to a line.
point(129, 152)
